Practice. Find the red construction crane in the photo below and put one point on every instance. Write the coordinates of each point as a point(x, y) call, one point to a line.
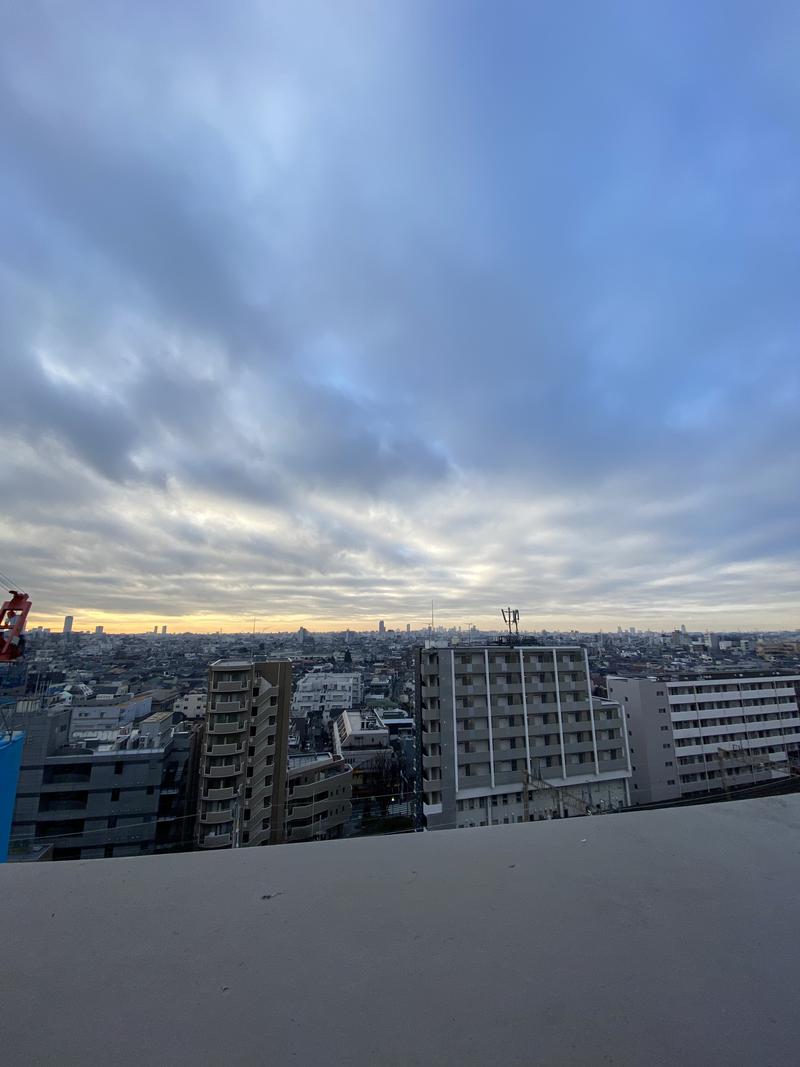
point(13, 615)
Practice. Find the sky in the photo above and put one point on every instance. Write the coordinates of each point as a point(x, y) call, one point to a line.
point(319, 312)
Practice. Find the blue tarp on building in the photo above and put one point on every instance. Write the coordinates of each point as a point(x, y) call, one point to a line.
point(10, 759)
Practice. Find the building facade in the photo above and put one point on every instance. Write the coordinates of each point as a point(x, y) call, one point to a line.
point(243, 764)
point(192, 705)
point(326, 693)
point(319, 797)
point(134, 796)
point(693, 734)
point(497, 720)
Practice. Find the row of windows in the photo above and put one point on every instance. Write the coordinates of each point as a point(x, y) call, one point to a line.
point(731, 687)
point(473, 770)
point(736, 720)
point(752, 735)
point(721, 705)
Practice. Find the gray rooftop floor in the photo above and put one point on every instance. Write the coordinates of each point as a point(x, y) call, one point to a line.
point(666, 937)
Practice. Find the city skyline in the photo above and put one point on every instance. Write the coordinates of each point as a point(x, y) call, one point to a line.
point(320, 318)
point(489, 624)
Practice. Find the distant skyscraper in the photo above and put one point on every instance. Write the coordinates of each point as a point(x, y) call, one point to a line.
point(163, 630)
point(408, 627)
point(68, 620)
point(98, 629)
point(381, 627)
point(155, 629)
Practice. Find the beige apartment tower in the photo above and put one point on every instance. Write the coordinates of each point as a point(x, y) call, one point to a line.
point(244, 758)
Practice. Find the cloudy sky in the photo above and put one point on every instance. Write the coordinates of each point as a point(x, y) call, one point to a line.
point(316, 312)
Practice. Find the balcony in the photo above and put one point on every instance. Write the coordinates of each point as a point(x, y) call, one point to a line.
point(225, 750)
point(219, 794)
point(216, 818)
point(227, 727)
point(215, 841)
point(228, 707)
point(230, 687)
point(224, 770)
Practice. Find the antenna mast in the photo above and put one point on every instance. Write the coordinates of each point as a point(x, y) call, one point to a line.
point(511, 618)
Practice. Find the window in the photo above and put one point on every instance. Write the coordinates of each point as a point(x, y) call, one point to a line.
point(670, 781)
point(118, 767)
point(150, 790)
point(114, 795)
point(112, 822)
point(665, 745)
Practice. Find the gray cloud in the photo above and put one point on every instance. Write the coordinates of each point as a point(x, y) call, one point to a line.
point(331, 315)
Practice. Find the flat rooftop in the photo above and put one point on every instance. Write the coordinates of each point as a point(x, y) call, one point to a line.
point(653, 938)
point(707, 674)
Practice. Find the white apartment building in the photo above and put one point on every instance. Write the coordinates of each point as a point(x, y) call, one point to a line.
point(326, 693)
point(497, 720)
point(193, 705)
point(702, 733)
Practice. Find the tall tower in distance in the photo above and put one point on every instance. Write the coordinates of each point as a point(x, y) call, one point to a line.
point(381, 627)
point(163, 630)
point(68, 620)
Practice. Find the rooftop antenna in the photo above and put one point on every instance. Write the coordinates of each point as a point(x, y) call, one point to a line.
point(511, 618)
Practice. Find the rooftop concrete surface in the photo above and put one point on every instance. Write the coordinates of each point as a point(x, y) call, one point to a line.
point(643, 938)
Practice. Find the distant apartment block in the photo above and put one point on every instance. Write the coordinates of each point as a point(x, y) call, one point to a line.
point(68, 621)
point(694, 734)
point(102, 718)
point(192, 705)
point(326, 693)
point(243, 764)
point(496, 720)
point(319, 797)
point(360, 737)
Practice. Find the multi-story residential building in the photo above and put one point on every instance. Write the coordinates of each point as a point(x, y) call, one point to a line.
point(700, 733)
point(319, 796)
point(192, 705)
point(362, 738)
point(498, 719)
point(133, 795)
point(243, 765)
point(103, 718)
point(326, 693)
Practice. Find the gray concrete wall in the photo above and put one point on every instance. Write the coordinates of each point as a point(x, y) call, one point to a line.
point(644, 938)
point(654, 764)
